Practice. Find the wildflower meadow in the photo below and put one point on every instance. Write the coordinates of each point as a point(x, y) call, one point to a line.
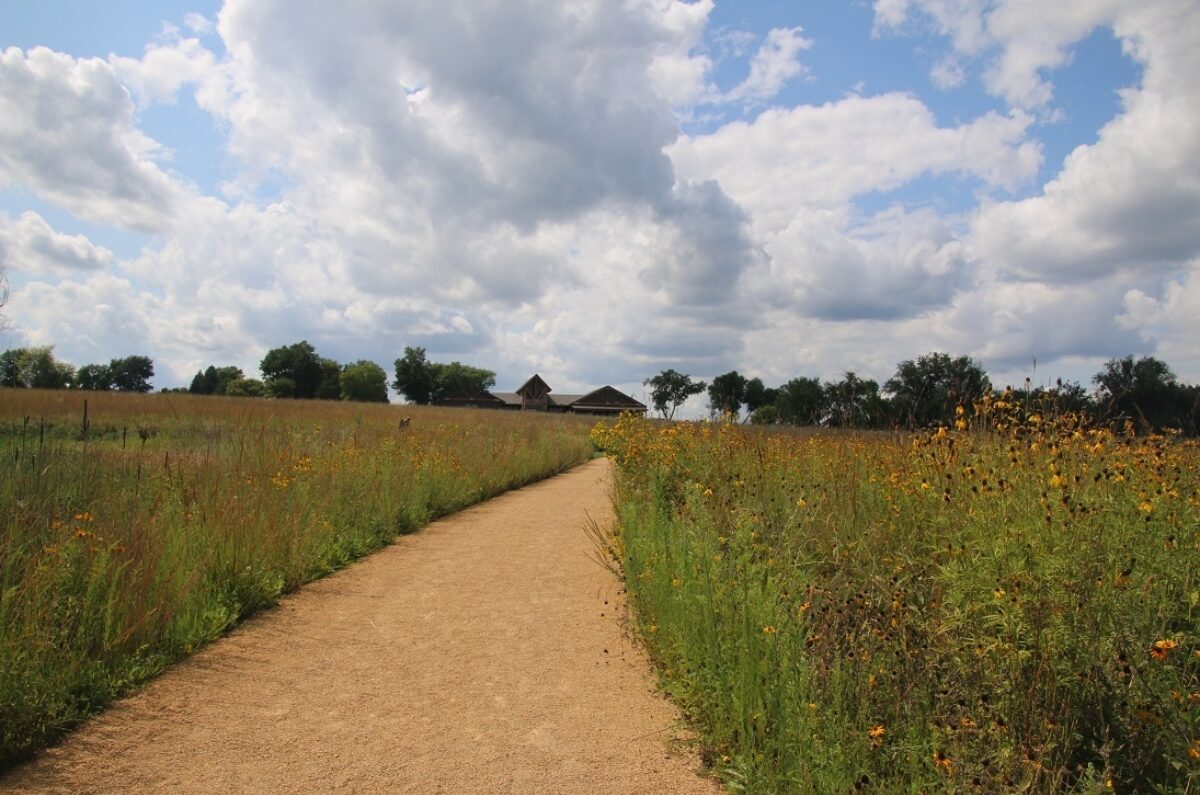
point(132, 537)
point(1006, 604)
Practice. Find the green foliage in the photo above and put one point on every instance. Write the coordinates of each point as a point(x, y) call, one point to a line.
point(1009, 608)
point(132, 373)
point(727, 393)
point(330, 387)
point(758, 395)
point(296, 370)
point(855, 403)
point(246, 387)
point(215, 380)
point(456, 378)
point(1147, 392)
point(119, 556)
point(94, 378)
point(364, 381)
point(34, 368)
point(424, 382)
point(801, 401)
point(765, 415)
point(280, 387)
point(670, 389)
point(414, 376)
point(927, 391)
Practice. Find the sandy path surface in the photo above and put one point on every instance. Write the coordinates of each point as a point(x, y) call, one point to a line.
point(483, 654)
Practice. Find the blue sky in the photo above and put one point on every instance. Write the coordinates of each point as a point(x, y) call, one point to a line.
point(597, 191)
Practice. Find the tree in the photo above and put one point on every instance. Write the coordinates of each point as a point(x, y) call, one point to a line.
point(1147, 392)
point(246, 387)
point(330, 387)
point(458, 378)
point(364, 381)
point(727, 393)
point(215, 380)
point(280, 387)
point(299, 364)
point(424, 382)
point(801, 401)
point(34, 368)
point(855, 403)
point(669, 390)
point(757, 395)
point(131, 374)
point(928, 390)
point(204, 382)
point(10, 367)
point(765, 415)
point(414, 376)
point(94, 378)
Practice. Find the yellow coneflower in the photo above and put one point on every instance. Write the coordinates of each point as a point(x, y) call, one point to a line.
point(1160, 649)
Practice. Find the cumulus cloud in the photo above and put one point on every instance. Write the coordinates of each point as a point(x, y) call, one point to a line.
point(510, 187)
point(67, 132)
point(772, 67)
point(28, 244)
point(789, 159)
point(1132, 199)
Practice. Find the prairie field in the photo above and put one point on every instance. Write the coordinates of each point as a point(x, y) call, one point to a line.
point(1010, 604)
point(126, 545)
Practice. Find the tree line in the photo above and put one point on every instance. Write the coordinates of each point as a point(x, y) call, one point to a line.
point(928, 390)
point(294, 371)
point(923, 392)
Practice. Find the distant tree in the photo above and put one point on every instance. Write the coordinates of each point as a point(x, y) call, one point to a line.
point(424, 382)
point(299, 364)
point(927, 391)
point(758, 395)
point(414, 376)
point(669, 390)
point(330, 387)
point(132, 373)
point(10, 367)
point(94, 378)
point(801, 401)
point(1147, 392)
point(215, 380)
point(765, 415)
point(280, 387)
point(246, 387)
point(855, 403)
point(34, 368)
point(204, 382)
point(727, 393)
point(457, 378)
point(364, 381)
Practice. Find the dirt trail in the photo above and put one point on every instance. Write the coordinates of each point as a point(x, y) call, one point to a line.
point(483, 654)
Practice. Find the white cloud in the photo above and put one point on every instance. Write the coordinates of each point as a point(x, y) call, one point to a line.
point(1130, 201)
point(787, 160)
point(158, 75)
point(28, 244)
point(67, 132)
point(198, 23)
point(772, 67)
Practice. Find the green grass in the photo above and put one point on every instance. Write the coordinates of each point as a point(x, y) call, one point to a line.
point(175, 517)
point(977, 610)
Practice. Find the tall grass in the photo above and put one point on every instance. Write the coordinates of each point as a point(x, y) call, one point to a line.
point(1006, 607)
point(173, 517)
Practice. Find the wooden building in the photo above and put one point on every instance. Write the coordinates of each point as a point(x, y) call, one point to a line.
point(536, 395)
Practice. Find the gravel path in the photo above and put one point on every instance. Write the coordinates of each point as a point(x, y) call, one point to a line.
point(483, 654)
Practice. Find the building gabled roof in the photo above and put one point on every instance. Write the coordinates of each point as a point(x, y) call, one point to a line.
point(535, 385)
point(607, 397)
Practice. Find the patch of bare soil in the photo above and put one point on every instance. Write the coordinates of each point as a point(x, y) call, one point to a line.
point(483, 654)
